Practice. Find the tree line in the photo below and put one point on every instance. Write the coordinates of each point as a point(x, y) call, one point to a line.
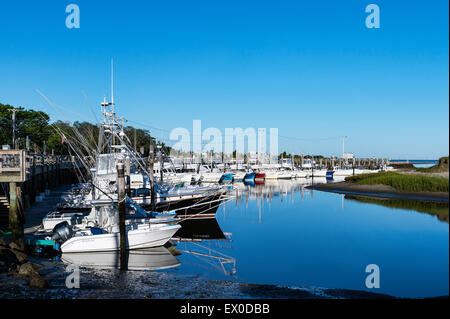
point(43, 134)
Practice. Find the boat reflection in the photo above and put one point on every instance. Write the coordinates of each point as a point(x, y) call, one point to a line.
point(284, 189)
point(203, 239)
point(199, 229)
point(141, 259)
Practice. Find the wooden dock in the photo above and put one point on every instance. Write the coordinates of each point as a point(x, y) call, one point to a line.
point(27, 177)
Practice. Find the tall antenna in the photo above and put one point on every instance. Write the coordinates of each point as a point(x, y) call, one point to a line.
point(112, 84)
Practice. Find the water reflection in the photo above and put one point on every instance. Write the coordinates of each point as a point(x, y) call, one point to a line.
point(142, 259)
point(438, 209)
point(202, 239)
point(283, 233)
point(287, 234)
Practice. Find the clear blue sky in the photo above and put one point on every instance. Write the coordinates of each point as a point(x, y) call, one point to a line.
point(310, 68)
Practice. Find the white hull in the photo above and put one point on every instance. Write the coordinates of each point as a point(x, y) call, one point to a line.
point(239, 176)
point(271, 175)
point(143, 237)
point(211, 177)
point(285, 175)
point(301, 174)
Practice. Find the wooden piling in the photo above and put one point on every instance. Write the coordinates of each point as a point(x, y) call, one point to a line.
point(161, 165)
point(151, 160)
point(128, 178)
point(121, 207)
point(15, 220)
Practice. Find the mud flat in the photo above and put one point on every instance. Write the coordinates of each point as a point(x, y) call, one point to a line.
point(106, 284)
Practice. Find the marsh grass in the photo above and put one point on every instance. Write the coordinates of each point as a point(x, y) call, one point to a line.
point(402, 182)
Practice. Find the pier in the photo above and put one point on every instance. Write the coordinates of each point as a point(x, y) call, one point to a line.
point(26, 178)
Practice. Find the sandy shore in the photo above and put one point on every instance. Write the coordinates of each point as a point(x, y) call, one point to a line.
point(379, 191)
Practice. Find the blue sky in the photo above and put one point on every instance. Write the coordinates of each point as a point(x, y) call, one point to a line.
point(313, 70)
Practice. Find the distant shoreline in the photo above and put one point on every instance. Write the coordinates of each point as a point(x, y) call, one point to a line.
point(383, 191)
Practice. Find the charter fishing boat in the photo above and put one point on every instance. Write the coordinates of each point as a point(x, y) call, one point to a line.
point(193, 202)
point(134, 213)
point(271, 174)
point(108, 239)
point(99, 231)
point(300, 174)
point(115, 147)
point(285, 173)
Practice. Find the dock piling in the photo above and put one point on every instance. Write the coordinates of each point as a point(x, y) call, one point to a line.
point(121, 207)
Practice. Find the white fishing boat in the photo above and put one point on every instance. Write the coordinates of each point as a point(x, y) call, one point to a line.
point(91, 218)
point(108, 239)
point(211, 177)
point(301, 174)
point(238, 176)
point(271, 174)
point(285, 174)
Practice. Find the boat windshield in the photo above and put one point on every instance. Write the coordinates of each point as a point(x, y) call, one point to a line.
point(106, 163)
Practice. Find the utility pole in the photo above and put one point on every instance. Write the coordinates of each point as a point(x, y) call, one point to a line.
point(13, 128)
point(121, 207)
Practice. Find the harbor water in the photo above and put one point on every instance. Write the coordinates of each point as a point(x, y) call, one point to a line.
point(280, 235)
point(284, 234)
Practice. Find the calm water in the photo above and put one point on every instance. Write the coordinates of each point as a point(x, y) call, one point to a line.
point(284, 234)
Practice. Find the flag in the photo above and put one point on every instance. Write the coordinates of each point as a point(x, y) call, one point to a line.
point(63, 139)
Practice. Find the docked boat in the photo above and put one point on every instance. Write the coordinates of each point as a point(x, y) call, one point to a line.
point(285, 174)
point(249, 177)
point(271, 174)
point(210, 177)
point(99, 231)
point(138, 236)
point(134, 213)
point(260, 178)
point(300, 174)
point(226, 178)
point(198, 202)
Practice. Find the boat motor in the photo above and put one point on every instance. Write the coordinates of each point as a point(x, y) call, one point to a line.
point(62, 232)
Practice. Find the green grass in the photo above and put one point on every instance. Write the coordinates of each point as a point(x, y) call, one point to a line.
point(402, 182)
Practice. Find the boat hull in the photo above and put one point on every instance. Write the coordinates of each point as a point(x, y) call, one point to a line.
point(204, 206)
point(259, 178)
point(136, 239)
